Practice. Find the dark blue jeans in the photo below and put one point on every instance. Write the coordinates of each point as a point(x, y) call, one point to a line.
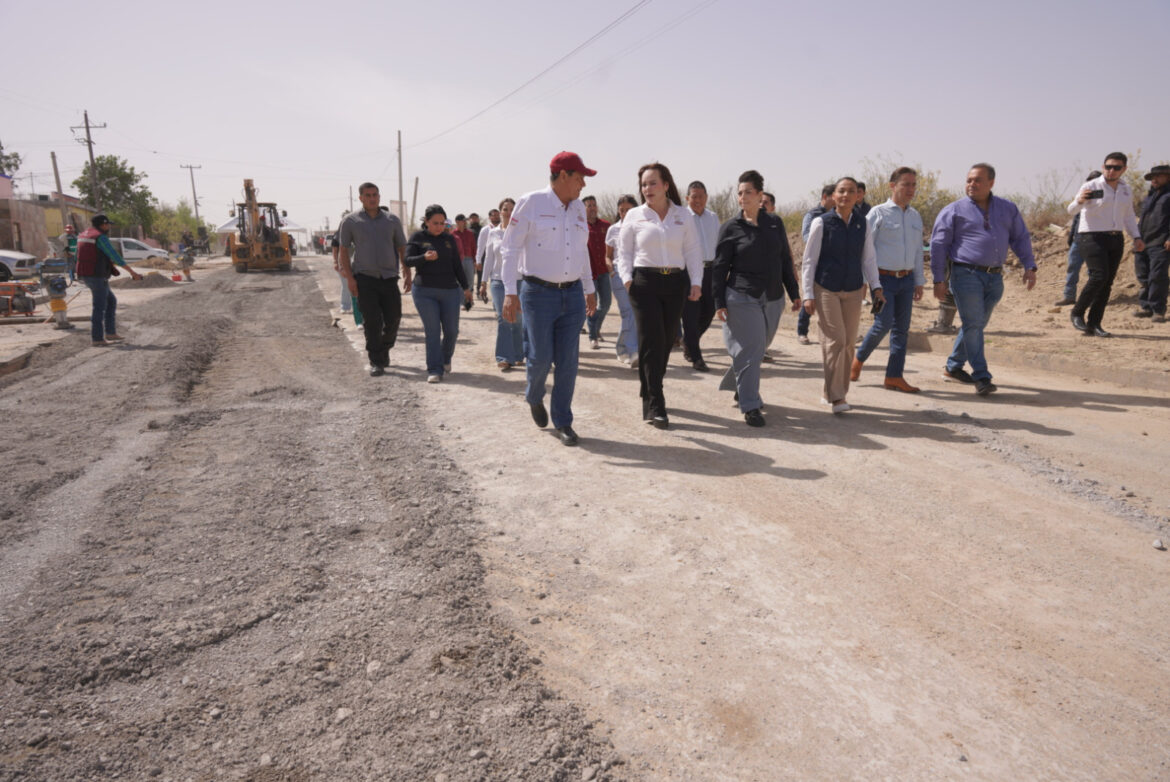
point(894, 319)
point(1073, 273)
point(553, 318)
point(976, 294)
point(105, 306)
point(438, 308)
point(604, 300)
point(1152, 273)
point(510, 337)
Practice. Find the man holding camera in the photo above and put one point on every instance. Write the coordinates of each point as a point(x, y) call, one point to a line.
point(1105, 205)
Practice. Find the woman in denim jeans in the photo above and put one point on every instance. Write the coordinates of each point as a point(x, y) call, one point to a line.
point(438, 283)
point(627, 340)
point(511, 339)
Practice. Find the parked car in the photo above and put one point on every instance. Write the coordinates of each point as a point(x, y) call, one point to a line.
point(133, 250)
point(19, 266)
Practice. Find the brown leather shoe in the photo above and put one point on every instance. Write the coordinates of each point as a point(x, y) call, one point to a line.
point(899, 384)
point(855, 370)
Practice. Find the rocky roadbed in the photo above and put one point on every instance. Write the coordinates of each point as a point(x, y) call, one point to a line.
point(220, 561)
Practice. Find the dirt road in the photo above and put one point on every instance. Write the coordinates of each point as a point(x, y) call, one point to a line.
point(245, 559)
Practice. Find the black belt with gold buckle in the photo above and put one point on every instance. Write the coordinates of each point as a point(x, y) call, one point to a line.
point(546, 284)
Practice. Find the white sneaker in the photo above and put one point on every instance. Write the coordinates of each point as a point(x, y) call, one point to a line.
point(434, 378)
point(803, 339)
point(841, 407)
point(595, 344)
point(634, 362)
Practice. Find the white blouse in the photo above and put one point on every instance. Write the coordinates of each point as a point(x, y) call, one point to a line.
point(647, 241)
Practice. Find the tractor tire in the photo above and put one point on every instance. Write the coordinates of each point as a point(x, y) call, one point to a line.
point(284, 267)
point(242, 268)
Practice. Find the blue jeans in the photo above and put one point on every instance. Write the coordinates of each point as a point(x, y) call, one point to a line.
point(511, 341)
point(105, 306)
point(627, 340)
point(604, 299)
point(803, 320)
point(976, 294)
point(553, 318)
point(439, 309)
point(894, 319)
point(1073, 276)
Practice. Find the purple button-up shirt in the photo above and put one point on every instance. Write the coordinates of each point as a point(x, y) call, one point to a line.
point(965, 234)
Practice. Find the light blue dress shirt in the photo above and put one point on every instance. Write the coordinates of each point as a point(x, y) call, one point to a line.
point(897, 239)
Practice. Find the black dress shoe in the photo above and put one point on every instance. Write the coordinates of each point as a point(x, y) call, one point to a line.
point(960, 374)
point(539, 414)
point(701, 366)
point(660, 422)
point(1097, 331)
point(567, 435)
point(1079, 323)
point(377, 370)
point(754, 417)
point(984, 387)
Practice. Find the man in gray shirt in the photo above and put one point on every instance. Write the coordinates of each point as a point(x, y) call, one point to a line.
point(379, 245)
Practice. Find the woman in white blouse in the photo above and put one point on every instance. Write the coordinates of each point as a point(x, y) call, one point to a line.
point(660, 260)
point(509, 336)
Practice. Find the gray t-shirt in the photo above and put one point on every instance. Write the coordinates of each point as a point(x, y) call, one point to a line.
point(375, 242)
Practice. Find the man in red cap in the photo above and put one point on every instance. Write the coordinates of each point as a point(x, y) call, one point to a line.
point(545, 270)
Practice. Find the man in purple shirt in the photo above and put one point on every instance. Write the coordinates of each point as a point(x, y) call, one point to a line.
point(973, 234)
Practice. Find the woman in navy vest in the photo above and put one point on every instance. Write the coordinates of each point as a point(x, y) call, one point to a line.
point(839, 260)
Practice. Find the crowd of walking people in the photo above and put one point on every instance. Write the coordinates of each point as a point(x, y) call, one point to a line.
point(553, 268)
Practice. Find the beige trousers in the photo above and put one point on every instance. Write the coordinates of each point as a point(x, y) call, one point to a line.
point(838, 315)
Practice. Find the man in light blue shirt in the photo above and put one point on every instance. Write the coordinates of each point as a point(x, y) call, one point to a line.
point(897, 239)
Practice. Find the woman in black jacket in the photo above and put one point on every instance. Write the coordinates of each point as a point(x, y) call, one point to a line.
point(440, 286)
point(753, 266)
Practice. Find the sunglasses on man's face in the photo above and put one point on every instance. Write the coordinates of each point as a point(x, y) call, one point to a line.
point(1114, 168)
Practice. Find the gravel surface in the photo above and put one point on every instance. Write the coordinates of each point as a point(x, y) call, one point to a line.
point(228, 555)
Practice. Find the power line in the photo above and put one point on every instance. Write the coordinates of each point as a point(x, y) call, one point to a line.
point(606, 62)
point(591, 39)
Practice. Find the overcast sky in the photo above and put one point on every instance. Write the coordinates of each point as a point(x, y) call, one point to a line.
point(306, 97)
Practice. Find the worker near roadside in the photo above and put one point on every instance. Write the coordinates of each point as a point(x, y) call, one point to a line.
point(379, 246)
point(974, 234)
point(97, 260)
point(68, 241)
point(545, 269)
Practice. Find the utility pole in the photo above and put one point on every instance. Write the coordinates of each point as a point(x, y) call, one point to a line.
point(93, 180)
point(400, 196)
point(60, 192)
point(194, 198)
point(413, 202)
point(32, 183)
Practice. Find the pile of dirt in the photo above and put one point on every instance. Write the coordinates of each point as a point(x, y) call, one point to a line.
point(149, 280)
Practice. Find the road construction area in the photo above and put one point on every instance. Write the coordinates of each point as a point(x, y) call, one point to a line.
point(227, 552)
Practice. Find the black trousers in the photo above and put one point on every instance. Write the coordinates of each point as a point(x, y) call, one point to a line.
point(1152, 266)
point(657, 300)
point(697, 317)
point(381, 305)
point(1102, 254)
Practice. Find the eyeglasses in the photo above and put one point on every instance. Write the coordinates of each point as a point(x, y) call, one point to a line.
point(1113, 168)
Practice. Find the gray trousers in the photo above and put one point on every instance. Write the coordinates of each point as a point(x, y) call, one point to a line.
point(751, 323)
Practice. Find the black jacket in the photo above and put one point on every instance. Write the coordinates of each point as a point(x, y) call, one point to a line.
point(1154, 224)
point(446, 271)
point(753, 259)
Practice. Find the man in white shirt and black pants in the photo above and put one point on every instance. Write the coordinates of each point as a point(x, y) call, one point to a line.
point(697, 315)
point(545, 269)
point(1106, 208)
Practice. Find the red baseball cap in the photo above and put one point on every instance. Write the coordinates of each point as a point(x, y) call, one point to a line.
point(569, 161)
